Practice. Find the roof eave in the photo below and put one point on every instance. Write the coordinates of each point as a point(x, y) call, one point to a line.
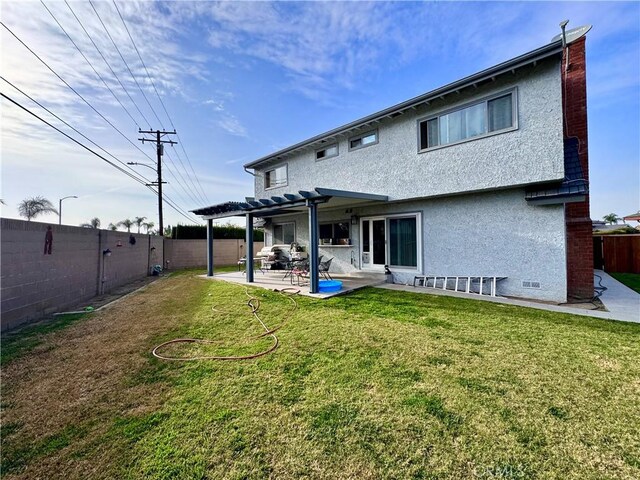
point(504, 67)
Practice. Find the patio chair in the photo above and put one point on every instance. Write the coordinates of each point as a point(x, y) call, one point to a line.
point(300, 270)
point(323, 269)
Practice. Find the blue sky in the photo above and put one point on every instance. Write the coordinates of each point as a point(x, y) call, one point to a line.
point(243, 79)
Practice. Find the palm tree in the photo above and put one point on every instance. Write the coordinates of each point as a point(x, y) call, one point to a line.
point(32, 207)
point(126, 223)
point(113, 227)
point(139, 221)
point(611, 218)
point(93, 223)
point(148, 226)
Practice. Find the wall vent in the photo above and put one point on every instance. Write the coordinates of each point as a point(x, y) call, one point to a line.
point(530, 284)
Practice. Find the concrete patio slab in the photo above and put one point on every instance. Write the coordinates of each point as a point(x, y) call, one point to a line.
point(273, 280)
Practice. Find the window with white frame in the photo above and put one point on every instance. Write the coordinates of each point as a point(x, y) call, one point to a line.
point(276, 177)
point(284, 234)
point(491, 115)
point(327, 152)
point(364, 140)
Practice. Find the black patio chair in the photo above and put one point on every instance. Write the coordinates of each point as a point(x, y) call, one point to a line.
point(323, 269)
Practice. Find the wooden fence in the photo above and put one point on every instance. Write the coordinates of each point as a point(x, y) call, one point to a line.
point(617, 253)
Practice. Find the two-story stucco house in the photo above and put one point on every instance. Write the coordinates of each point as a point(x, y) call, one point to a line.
point(485, 176)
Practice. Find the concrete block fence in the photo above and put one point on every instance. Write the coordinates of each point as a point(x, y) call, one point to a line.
point(84, 262)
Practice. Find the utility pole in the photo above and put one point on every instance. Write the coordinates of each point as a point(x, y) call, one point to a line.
point(159, 150)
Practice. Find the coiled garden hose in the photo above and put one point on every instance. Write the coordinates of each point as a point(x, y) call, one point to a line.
point(254, 304)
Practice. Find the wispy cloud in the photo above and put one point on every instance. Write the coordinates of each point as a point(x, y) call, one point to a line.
point(232, 125)
point(217, 105)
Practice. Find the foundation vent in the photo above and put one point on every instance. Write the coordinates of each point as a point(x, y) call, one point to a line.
point(530, 284)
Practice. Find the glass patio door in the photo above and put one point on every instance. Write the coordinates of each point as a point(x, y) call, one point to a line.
point(374, 244)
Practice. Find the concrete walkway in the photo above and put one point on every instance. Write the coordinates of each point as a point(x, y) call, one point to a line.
point(620, 300)
point(624, 302)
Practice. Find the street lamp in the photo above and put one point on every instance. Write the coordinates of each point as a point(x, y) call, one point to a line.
point(60, 207)
point(143, 165)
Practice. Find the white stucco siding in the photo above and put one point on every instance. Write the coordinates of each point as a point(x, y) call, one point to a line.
point(490, 233)
point(532, 153)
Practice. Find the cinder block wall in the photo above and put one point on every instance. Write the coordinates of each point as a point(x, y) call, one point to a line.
point(128, 261)
point(34, 285)
point(193, 253)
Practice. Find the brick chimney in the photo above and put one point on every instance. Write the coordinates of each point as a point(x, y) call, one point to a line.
point(577, 215)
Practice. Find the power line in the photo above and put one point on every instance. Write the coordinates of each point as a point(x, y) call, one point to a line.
point(204, 197)
point(125, 62)
point(74, 140)
point(75, 91)
point(184, 185)
point(87, 60)
point(110, 68)
point(193, 198)
point(72, 128)
point(142, 182)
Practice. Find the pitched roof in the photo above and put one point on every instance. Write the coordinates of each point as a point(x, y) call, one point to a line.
point(532, 57)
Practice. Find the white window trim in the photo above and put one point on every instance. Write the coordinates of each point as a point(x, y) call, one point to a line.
point(362, 135)
point(327, 156)
point(286, 183)
point(419, 260)
point(514, 107)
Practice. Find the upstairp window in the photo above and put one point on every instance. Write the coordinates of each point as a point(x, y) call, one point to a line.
point(327, 152)
point(364, 140)
point(276, 177)
point(492, 115)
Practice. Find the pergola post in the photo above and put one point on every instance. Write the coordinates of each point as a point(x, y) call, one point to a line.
point(249, 255)
point(209, 247)
point(313, 246)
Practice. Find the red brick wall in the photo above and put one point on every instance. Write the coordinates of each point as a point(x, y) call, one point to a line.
point(577, 215)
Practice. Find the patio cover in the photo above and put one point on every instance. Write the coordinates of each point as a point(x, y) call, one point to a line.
point(278, 205)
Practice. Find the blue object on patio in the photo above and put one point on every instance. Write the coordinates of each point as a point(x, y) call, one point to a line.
point(328, 286)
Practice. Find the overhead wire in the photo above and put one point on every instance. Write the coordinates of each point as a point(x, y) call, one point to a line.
point(73, 128)
point(96, 111)
point(100, 76)
point(136, 178)
point(87, 60)
point(75, 91)
point(140, 179)
point(181, 143)
point(180, 181)
point(110, 68)
point(125, 62)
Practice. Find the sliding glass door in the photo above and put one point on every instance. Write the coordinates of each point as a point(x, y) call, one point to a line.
point(393, 240)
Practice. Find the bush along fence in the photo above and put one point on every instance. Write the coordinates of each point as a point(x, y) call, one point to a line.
point(199, 232)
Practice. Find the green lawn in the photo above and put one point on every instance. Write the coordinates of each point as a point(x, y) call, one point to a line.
point(375, 384)
point(631, 280)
